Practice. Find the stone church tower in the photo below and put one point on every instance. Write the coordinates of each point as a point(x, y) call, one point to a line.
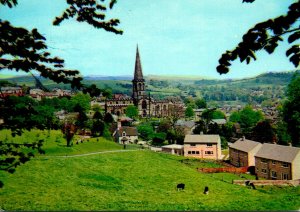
point(140, 98)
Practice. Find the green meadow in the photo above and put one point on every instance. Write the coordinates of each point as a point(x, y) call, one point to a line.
point(128, 180)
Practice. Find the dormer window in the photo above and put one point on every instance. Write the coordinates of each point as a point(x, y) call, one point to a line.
point(124, 134)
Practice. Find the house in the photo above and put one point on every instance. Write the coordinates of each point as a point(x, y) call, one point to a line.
point(187, 126)
point(174, 149)
point(218, 121)
point(126, 135)
point(202, 146)
point(278, 162)
point(241, 153)
point(11, 91)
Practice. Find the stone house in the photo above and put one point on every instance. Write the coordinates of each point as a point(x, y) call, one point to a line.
point(241, 153)
point(11, 91)
point(203, 146)
point(126, 135)
point(174, 149)
point(278, 162)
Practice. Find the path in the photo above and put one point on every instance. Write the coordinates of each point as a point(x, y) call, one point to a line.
point(87, 154)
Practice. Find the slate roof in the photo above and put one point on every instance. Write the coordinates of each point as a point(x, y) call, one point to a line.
point(189, 124)
point(202, 139)
point(219, 121)
point(245, 145)
point(278, 152)
point(130, 131)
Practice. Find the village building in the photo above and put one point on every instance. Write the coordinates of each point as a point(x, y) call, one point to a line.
point(11, 91)
point(203, 146)
point(278, 162)
point(218, 121)
point(187, 126)
point(174, 149)
point(126, 135)
point(146, 105)
point(241, 153)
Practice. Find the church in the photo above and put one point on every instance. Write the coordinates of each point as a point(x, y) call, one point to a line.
point(147, 106)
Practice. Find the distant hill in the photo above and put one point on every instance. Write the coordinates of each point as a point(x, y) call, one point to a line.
point(100, 77)
point(266, 79)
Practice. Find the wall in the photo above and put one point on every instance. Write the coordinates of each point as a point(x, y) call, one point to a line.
point(201, 149)
point(269, 166)
point(268, 182)
point(238, 158)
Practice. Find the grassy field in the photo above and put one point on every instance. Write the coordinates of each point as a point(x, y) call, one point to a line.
point(135, 180)
point(55, 144)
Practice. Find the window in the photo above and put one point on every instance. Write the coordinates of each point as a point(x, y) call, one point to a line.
point(285, 164)
point(274, 174)
point(193, 152)
point(124, 134)
point(285, 176)
point(263, 160)
point(273, 162)
point(264, 171)
point(209, 145)
point(193, 144)
point(209, 152)
point(197, 152)
point(189, 152)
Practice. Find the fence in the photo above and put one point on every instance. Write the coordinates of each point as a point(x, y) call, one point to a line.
point(224, 169)
point(267, 182)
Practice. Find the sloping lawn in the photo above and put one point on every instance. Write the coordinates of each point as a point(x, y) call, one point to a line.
point(55, 144)
point(136, 180)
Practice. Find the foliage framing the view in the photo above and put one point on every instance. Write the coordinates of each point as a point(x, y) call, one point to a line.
point(22, 49)
point(266, 36)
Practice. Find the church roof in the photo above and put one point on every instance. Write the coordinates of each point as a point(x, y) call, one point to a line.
point(138, 72)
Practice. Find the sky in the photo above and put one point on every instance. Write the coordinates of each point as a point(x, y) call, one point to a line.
point(175, 37)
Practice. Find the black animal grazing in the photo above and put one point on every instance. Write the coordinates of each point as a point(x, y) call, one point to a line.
point(206, 190)
point(180, 186)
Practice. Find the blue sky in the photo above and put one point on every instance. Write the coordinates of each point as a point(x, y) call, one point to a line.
point(175, 37)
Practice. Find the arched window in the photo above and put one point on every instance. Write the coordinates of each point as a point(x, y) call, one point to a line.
point(144, 104)
point(140, 86)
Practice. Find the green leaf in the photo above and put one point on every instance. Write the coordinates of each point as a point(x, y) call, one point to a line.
point(294, 36)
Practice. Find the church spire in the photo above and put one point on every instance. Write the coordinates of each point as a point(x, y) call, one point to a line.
point(138, 73)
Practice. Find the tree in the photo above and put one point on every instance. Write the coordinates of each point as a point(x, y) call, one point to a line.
point(92, 90)
point(108, 118)
point(158, 138)
point(97, 115)
point(189, 112)
point(98, 127)
point(283, 137)
point(266, 36)
point(291, 109)
point(131, 111)
point(235, 117)
point(81, 100)
point(217, 114)
point(69, 130)
point(200, 103)
point(249, 117)
point(189, 101)
point(145, 131)
point(263, 132)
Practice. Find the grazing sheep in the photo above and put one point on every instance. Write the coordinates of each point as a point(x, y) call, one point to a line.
point(180, 186)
